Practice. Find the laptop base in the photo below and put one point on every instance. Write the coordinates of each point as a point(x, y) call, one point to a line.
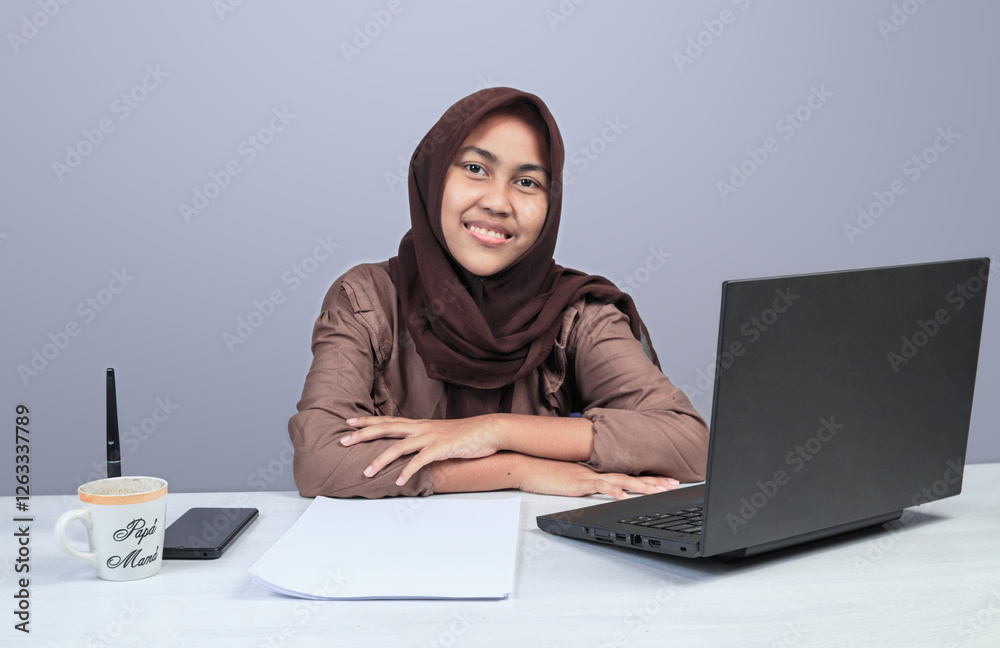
point(857, 525)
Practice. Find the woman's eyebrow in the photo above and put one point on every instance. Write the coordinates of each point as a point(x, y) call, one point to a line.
point(492, 159)
point(489, 157)
point(528, 168)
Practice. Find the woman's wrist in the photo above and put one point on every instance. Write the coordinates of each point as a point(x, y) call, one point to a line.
point(561, 438)
point(498, 471)
point(500, 428)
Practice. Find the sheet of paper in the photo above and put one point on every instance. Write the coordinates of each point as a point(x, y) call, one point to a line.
point(396, 548)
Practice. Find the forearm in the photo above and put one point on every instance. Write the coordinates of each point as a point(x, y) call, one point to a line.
point(658, 442)
point(322, 466)
point(536, 475)
point(562, 438)
point(495, 472)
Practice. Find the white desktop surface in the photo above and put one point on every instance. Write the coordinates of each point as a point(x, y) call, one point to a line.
point(933, 580)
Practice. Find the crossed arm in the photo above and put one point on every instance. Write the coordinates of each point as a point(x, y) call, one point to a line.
point(495, 451)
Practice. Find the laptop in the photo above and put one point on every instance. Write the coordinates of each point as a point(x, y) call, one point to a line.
point(840, 399)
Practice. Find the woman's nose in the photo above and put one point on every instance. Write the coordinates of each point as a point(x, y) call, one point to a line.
point(495, 198)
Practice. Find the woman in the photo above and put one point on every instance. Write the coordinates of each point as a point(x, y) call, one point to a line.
point(455, 365)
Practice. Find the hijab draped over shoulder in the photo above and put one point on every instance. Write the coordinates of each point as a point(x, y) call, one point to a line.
point(479, 335)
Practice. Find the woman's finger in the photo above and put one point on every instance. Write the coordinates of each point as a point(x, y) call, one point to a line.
point(395, 429)
point(418, 461)
point(607, 488)
point(365, 421)
point(645, 485)
point(393, 452)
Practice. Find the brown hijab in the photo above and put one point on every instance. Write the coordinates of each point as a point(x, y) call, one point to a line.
point(481, 339)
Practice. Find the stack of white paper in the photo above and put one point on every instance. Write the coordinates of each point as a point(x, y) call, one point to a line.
point(396, 548)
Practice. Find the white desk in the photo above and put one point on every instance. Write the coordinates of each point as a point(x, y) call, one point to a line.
point(933, 581)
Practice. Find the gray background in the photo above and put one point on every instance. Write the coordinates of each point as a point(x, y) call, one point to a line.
point(330, 174)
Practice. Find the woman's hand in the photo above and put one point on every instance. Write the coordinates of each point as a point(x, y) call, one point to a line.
point(431, 440)
point(548, 477)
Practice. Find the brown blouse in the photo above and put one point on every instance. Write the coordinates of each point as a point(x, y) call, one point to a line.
point(364, 363)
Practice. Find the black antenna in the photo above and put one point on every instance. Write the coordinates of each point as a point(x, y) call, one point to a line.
point(114, 447)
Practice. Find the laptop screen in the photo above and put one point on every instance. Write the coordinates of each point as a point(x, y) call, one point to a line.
point(844, 395)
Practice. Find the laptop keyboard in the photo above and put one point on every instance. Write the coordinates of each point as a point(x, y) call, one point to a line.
point(685, 521)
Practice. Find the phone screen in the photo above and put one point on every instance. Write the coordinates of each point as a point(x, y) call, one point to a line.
point(205, 532)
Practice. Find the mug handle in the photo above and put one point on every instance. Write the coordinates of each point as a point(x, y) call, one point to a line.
point(64, 520)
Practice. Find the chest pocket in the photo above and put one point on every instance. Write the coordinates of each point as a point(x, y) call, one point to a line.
point(557, 381)
point(369, 315)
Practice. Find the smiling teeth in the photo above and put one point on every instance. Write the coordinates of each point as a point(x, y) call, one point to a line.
point(480, 230)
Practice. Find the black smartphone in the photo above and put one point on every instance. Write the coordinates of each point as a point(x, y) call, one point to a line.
point(205, 532)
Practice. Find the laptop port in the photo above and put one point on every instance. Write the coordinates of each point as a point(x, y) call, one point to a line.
point(620, 537)
point(636, 540)
point(654, 543)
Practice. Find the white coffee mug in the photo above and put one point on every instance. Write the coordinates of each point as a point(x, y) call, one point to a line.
point(125, 518)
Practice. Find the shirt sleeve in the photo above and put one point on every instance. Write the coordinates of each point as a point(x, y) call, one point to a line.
point(643, 424)
point(350, 338)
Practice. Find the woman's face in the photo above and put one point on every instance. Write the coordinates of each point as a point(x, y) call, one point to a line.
point(496, 194)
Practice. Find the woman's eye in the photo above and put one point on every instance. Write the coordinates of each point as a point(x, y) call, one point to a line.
point(474, 168)
point(528, 183)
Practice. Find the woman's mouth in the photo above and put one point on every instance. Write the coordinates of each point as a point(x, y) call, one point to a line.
point(487, 235)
